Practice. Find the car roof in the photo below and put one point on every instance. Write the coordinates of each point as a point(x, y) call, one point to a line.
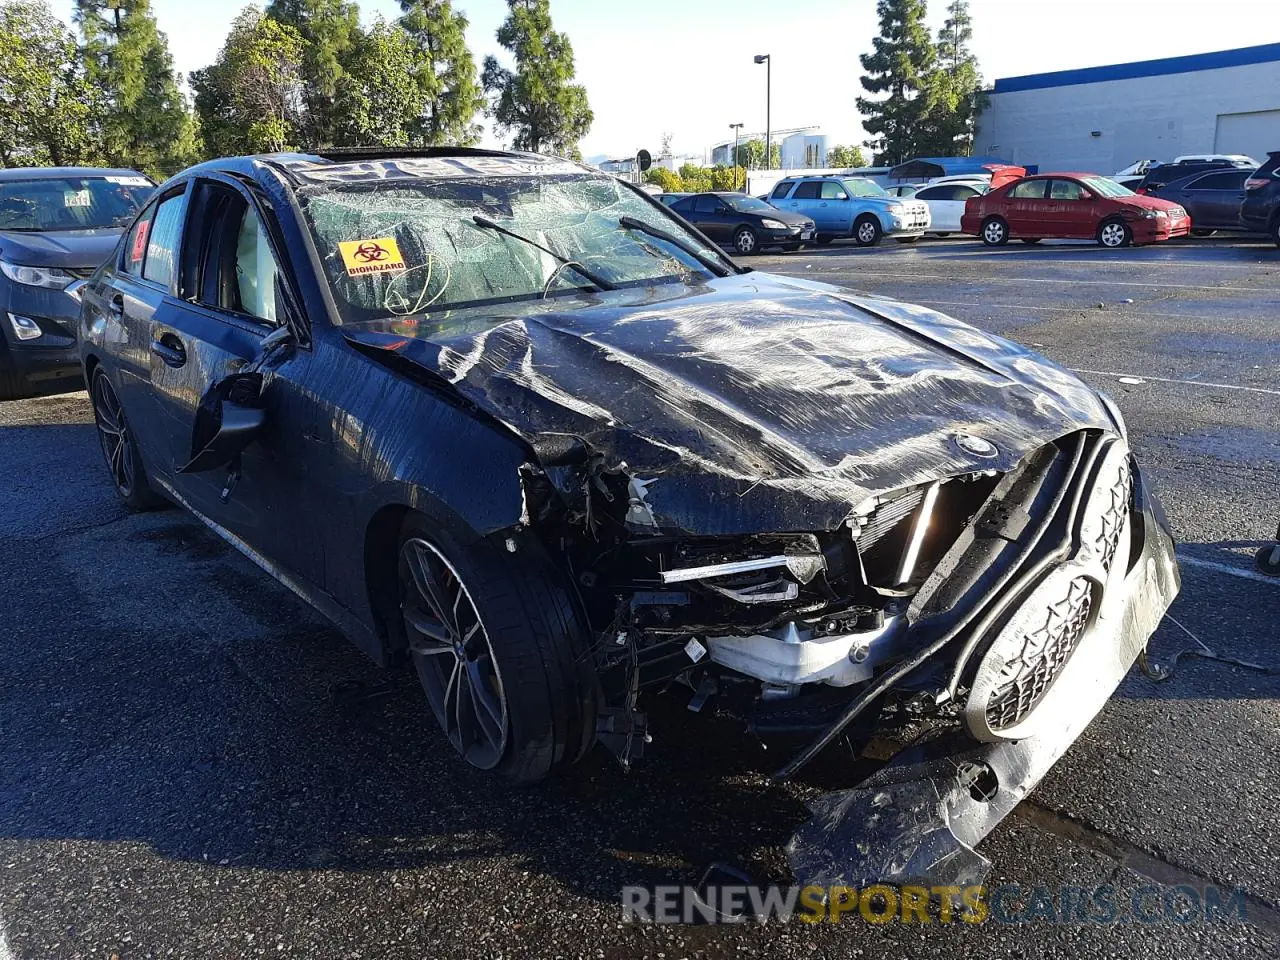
point(60, 173)
point(374, 164)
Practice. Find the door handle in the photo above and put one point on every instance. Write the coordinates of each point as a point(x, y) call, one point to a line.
point(117, 305)
point(169, 349)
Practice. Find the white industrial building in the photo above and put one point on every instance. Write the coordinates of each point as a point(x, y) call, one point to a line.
point(1101, 119)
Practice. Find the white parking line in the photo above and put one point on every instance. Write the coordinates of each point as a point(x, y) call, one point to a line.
point(1226, 568)
point(1190, 383)
point(1072, 282)
point(1080, 308)
point(5, 952)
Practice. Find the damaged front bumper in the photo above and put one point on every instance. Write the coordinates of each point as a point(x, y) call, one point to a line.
point(918, 818)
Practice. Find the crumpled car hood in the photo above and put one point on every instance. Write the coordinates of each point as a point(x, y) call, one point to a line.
point(758, 403)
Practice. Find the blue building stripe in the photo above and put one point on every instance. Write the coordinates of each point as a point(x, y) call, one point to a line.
point(1267, 53)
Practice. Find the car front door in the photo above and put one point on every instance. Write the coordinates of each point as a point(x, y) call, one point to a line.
point(1073, 209)
point(1214, 200)
point(228, 299)
point(834, 208)
point(705, 214)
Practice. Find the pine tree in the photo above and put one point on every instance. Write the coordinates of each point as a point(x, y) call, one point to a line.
point(147, 124)
point(539, 101)
point(331, 36)
point(445, 73)
point(900, 64)
point(380, 103)
point(249, 100)
point(954, 89)
point(48, 107)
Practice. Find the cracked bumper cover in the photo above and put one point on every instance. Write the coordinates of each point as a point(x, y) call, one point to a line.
point(919, 817)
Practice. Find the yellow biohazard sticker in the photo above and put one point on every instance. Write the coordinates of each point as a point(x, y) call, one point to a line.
point(363, 257)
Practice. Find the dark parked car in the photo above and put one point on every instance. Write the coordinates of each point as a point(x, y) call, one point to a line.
point(1163, 173)
point(669, 198)
point(512, 420)
point(1211, 199)
point(56, 225)
point(744, 223)
point(1260, 210)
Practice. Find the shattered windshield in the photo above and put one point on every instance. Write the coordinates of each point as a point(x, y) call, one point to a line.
point(421, 246)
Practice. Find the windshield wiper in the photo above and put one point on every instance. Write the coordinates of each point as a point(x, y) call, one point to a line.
point(631, 223)
point(573, 265)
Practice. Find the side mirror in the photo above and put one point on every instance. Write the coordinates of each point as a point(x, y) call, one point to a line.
point(228, 420)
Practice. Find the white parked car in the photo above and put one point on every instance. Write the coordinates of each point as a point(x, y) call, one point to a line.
point(1236, 159)
point(946, 202)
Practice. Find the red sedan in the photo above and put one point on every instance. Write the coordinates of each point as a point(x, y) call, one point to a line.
point(1073, 206)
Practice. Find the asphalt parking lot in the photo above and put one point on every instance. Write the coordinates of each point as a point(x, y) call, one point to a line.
point(194, 764)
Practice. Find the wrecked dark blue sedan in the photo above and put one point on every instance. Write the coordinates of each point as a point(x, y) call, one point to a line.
point(509, 419)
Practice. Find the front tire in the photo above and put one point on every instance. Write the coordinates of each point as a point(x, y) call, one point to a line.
point(119, 446)
point(745, 242)
point(866, 231)
point(1114, 234)
point(499, 651)
point(995, 231)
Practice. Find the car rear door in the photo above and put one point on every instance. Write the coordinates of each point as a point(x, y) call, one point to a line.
point(139, 293)
point(946, 205)
point(805, 200)
point(1214, 199)
point(1026, 209)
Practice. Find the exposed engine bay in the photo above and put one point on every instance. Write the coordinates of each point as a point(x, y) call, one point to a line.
point(956, 605)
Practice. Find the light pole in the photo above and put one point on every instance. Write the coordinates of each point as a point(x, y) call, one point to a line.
point(768, 129)
point(736, 128)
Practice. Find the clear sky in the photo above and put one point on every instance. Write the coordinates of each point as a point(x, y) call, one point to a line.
point(685, 66)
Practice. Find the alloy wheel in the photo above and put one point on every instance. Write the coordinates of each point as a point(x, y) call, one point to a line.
point(866, 231)
point(1112, 234)
point(993, 232)
point(745, 242)
point(113, 432)
point(453, 654)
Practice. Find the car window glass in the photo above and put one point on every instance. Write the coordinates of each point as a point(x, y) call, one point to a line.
point(963, 192)
point(135, 244)
point(933, 193)
point(1065, 190)
point(809, 190)
point(1027, 190)
point(832, 191)
point(1219, 181)
point(705, 205)
point(780, 191)
point(256, 273)
point(162, 239)
point(684, 205)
